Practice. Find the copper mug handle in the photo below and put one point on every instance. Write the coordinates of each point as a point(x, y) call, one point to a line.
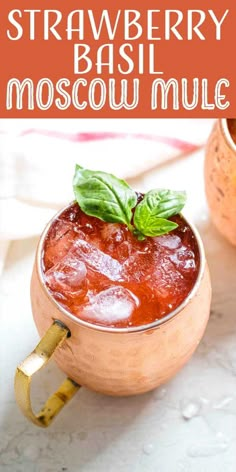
point(53, 338)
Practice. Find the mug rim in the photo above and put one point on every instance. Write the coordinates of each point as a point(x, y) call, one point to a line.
point(226, 134)
point(130, 329)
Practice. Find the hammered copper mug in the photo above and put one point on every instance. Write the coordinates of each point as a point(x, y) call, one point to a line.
point(220, 177)
point(113, 361)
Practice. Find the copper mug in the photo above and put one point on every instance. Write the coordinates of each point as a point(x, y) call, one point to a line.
point(220, 177)
point(109, 360)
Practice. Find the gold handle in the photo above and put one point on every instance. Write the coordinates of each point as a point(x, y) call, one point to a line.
point(43, 352)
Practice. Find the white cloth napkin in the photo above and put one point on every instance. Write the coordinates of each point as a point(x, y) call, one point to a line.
point(37, 159)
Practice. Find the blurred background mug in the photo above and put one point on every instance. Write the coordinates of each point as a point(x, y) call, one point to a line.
point(113, 361)
point(220, 177)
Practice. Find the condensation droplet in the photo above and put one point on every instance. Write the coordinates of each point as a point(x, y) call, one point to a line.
point(208, 449)
point(223, 403)
point(190, 408)
point(204, 400)
point(160, 393)
point(183, 466)
point(148, 449)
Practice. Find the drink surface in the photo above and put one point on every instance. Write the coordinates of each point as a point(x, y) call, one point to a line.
point(101, 273)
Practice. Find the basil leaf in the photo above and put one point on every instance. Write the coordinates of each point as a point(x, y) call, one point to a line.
point(104, 196)
point(150, 217)
point(164, 203)
point(155, 227)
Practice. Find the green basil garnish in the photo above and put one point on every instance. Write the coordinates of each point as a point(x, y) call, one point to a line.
point(110, 199)
point(152, 213)
point(104, 196)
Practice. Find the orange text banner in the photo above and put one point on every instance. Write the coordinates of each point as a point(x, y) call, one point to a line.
point(90, 59)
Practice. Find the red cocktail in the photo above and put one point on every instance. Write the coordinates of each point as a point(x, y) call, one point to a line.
point(103, 274)
point(109, 270)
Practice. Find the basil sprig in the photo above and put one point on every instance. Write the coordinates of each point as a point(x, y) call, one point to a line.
point(112, 200)
point(152, 213)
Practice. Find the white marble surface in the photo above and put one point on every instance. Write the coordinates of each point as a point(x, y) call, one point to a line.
point(189, 425)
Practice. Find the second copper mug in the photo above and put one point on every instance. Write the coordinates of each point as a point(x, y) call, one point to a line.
point(113, 361)
point(220, 177)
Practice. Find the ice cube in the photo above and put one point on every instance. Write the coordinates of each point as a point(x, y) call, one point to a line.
point(139, 266)
point(166, 279)
point(183, 259)
point(111, 305)
point(170, 241)
point(72, 213)
point(113, 232)
point(67, 277)
point(124, 251)
point(113, 237)
point(59, 241)
point(97, 260)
